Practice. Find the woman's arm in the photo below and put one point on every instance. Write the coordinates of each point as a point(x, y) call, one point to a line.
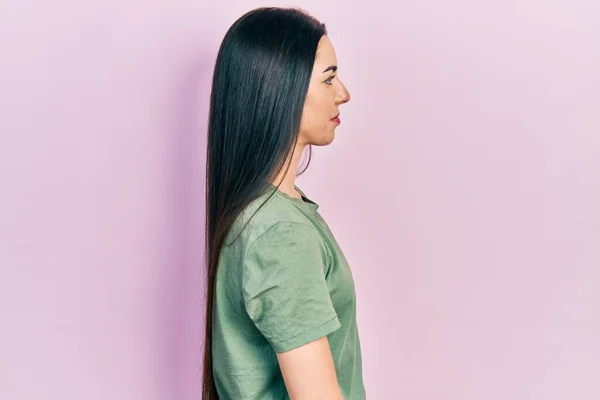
point(309, 372)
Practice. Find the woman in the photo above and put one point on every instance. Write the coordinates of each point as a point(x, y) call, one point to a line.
point(281, 309)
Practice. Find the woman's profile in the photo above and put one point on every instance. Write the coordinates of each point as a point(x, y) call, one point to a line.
point(281, 305)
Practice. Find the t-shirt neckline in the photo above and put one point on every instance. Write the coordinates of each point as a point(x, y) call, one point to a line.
point(305, 202)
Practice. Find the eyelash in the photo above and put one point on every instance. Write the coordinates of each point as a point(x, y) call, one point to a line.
point(329, 80)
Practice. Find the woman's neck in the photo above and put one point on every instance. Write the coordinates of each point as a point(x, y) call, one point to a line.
point(288, 181)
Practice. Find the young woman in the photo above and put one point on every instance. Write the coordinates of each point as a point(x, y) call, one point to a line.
point(281, 307)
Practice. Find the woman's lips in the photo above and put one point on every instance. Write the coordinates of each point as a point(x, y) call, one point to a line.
point(336, 120)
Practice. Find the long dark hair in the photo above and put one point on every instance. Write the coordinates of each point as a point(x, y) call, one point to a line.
point(259, 87)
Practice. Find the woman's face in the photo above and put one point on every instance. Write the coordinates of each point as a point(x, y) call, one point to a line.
point(326, 93)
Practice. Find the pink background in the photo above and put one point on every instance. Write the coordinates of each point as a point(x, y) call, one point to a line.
point(463, 185)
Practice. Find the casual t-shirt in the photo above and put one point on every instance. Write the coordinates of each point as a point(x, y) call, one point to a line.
point(284, 282)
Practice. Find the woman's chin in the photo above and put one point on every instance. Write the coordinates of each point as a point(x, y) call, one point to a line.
point(325, 140)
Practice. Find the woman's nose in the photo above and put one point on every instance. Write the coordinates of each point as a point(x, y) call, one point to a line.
point(343, 95)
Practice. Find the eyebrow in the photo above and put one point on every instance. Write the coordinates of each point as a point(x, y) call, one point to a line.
point(330, 68)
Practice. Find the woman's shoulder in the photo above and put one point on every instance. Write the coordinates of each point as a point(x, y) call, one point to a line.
point(263, 214)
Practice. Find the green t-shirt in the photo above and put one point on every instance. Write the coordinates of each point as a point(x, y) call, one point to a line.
point(283, 283)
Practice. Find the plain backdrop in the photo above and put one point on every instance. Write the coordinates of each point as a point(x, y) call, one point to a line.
point(463, 186)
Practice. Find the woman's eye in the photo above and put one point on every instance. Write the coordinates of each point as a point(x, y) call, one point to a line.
point(328, 81)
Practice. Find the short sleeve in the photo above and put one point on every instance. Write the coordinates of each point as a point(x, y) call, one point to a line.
point(284, 286)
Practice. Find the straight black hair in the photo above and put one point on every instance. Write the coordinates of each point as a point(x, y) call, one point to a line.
point(260, 81)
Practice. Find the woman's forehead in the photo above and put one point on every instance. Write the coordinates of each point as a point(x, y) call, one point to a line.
point(325, 53)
